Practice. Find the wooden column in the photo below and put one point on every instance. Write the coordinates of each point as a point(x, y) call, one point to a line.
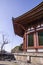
point(25, 42)
point(36, 40)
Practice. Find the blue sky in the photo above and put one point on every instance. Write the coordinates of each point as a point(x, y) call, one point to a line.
point(9, 9)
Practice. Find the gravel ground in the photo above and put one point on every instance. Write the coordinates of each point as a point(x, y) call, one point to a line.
point(8, 63)
point(25, 63)
point(17, 63)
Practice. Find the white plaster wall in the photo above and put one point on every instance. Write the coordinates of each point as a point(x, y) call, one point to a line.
point(33, 50)
point(40, 50)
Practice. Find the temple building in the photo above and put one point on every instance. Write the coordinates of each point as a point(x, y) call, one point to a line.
point(29, 26)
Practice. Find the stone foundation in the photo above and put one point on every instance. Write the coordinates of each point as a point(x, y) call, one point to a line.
point(38, 60)
point(30, 57)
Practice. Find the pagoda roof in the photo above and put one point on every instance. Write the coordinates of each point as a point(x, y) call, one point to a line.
point(22, 22)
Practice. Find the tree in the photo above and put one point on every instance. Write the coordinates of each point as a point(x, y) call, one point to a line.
point(4, 42)
point(20, 47)
point(17, 49)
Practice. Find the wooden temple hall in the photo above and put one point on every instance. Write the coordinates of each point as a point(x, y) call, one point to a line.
point(30, 27)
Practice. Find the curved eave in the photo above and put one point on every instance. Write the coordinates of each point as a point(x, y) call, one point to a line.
point(18, 29)
point(29, 17)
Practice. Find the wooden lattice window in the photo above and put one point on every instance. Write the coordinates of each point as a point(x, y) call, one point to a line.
point(40, 37)
point(30, 40)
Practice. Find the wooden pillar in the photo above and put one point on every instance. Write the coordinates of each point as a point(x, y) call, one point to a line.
point(25, 42)
point(36, 40)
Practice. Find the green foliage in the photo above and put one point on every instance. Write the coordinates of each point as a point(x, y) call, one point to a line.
point(17, 49)
point(20, 47)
